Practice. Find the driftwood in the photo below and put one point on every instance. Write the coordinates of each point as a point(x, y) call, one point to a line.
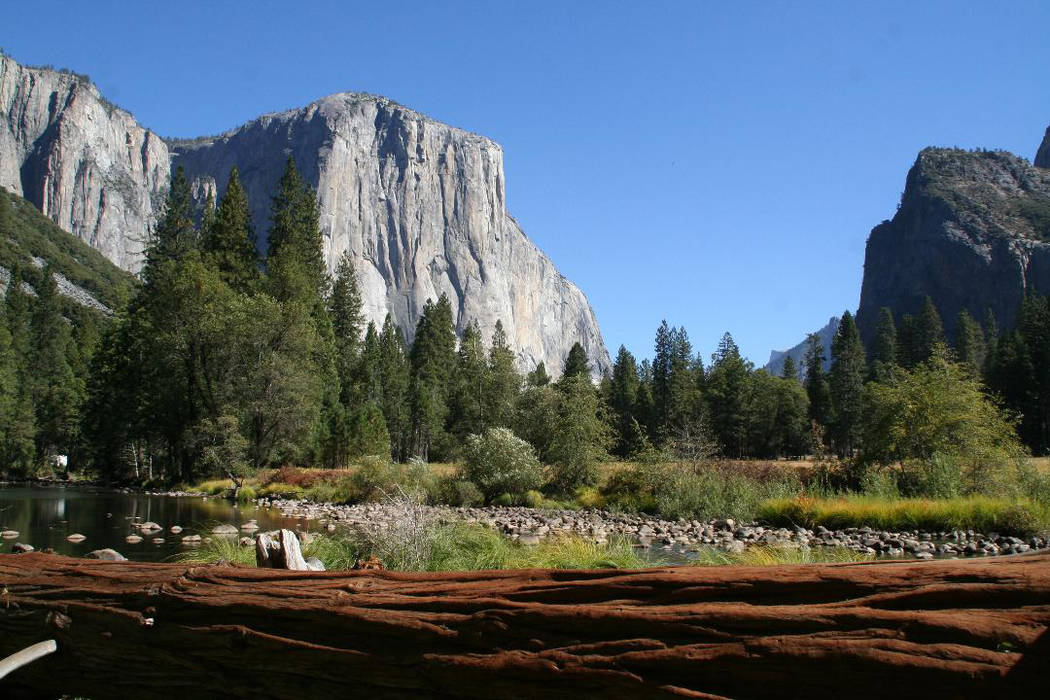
point(936, 629)
point(27, 656)
point(282, 553)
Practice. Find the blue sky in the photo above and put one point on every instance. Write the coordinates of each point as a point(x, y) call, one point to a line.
point(716, 164)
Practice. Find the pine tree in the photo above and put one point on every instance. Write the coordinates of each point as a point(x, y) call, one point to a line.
point(538, 376)
point(295, 255)
point(991, 335)
point(682, 385)
point(7, 220)
point(394, 377)
point(628, 438)
point(661, 382)
point(175, 234)
point(576, 363)
point(846, 382)
point(344, 310)
point(467, 413)
point(433, 360)
point(884, 347)
point(908, 351)
point(789, 370)
point(970, 346)
point(53, 381)
point(929, 331)
point(816, 382)
point(727, 387)
point(502, 382)
point(227, 239)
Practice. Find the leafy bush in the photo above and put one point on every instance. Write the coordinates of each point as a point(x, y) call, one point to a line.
point(459, 492)
point(499, 462)
point(714, 493)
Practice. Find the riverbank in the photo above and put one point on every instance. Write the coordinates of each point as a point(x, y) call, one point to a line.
point(529, 526)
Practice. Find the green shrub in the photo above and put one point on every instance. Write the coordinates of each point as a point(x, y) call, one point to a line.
point(590, 497)
point(459, 492)
point(633, 490)
point(280, 490)
point(499, 462)
point(719, 493)
point(533, 499)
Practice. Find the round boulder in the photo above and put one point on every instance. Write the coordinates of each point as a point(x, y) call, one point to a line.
point(21, 548)
point(9, 534)
point(175, 529)
point(107, 555)
point(158, 540)
point(76, 538)
point(150, 526)
point(191, 539)
point(224, 530)
point(132, 539)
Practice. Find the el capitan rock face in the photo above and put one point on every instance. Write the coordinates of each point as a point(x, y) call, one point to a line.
point(419, 205)
point(421, 208)
point(972, 232)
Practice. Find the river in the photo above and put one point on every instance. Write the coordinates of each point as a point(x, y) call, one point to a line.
point(44, 516)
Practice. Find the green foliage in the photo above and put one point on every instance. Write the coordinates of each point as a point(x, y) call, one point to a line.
point(576, 363)
point(433, 360)
point(817, 388)
point(579, 436)
point(228, 241)
point(846, 384)
point(933, 416)
point(884, 347)
point(498, 462)
point(727, 396)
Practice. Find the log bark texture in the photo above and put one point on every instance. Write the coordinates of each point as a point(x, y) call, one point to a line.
point(936, 629)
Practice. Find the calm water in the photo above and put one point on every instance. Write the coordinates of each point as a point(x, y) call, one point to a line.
point(45, 515)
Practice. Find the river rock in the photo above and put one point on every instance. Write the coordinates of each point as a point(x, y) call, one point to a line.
point(175, 529)
point(246, 541)
point(21, 548)
point(528, 539)
point(9, 534)
point(224, 530)
point(250, 526)
point(76, 538)
point(133, 539)
point(106, 555)
point(150, 526)
point(157, 540)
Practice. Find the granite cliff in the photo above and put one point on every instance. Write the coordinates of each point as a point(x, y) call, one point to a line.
point(972, 231)
point(798, 352)
point(419, 205)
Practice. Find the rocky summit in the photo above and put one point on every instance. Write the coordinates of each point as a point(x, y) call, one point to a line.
point(972, 232)
point(420, 206)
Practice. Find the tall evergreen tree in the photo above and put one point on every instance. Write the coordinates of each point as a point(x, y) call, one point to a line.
point(661, 381)
point(628, 437)
point(175, 234)
point(789, 370)
point(682, 385)
point(227, 239)
point(467, 401)
point(433, 360)
point(816, 382)
point(502, 382)
point(538, 376)
point(576, 363)
point(727, 387)
point(929, 331)
point(970, 347)
point(884, 347)
point(344, 310)
point(295, 255)
point(53, 382)
point(395, 380)
point(846, 383)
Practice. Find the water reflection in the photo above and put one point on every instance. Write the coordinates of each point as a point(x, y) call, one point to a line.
point(45, 516)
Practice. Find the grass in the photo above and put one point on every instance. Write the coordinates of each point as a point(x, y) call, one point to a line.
point(775, 556)
point(452, 547)
point(987, 514)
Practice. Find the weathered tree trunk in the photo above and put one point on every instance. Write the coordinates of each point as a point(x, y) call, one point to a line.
point(938, 629)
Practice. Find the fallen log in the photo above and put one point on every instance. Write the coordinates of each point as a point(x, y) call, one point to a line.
point(937, 629)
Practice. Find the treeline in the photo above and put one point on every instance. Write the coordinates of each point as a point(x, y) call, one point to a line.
point(46, 349)
point(224, 363)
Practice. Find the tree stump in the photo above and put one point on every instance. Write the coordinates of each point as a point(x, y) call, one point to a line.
point(936, 629)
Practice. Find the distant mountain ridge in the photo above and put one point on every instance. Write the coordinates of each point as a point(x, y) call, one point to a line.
point(419, 205)
point(798, 352)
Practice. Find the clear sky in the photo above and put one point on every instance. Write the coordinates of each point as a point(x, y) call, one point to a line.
point(716, 164)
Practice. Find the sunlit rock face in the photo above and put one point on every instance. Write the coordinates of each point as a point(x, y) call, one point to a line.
point(420, 206)
point(88, 165)
point(421, 209)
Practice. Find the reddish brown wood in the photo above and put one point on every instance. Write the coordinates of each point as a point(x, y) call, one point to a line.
point(975, 628)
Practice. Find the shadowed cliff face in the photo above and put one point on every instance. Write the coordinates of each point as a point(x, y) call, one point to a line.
point(971, 232)
point(419, 205)
point(87, 165)
point(421, 208)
